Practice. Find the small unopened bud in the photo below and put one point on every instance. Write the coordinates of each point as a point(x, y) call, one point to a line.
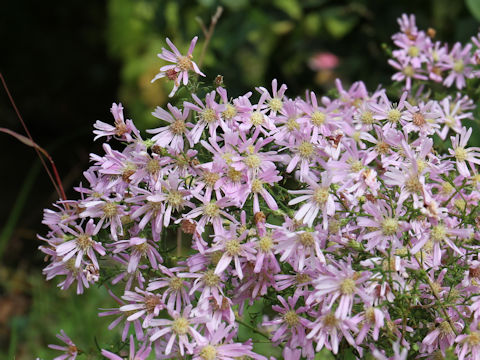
point(431, 32)
point(188, 227)
point(218, 81)
point(259, 217)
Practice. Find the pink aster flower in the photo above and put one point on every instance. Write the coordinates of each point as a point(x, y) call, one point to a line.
point(121, 130)
point(141, 354)
point(318, 198)
point(328, 330)
point(173, 134)
point(181, 327)
point(208, 116)
point(459, 62)
point(299, 246)
point(122, 317)
point(339, 281)
point(211, 212)
point(70, 349)
point(291, 325)
point(462, 154)
point(230, 243)
point(182, 65)
point(384, 226)
point(81, 245)
point(219, 345)
point(139, 248)
point(175, 296)
point(142, 303)
point(469, 343)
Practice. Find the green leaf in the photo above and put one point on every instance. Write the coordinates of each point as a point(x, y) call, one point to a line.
point(340, 25)
point(474, 7)
point(291, 7)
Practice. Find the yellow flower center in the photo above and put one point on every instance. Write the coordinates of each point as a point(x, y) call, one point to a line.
point(209, 115)
point(153, 166)
point(438, 233)
point(318, 118)
point(180, 326)
point(389, 226)
point(234, 174)
point(292, 124)
point(110, 209)
point(208, 353)
point(184, 63)
point(330, 320)
point(233, 247)
point(458, 66)
point(210, 178)
point(176, 283)
point(178, 127)
point(257, 185)
point(347, 286)
point(84, 242)
point(266, 243)
point(230, 112)
point(275, 104)
point(210, 278)
point(291, 318)
point(367, 117)
point(253, 161)
point(413, 51)
point(461, 154)
point(306, 239)
point(320, 195)
point(306, 149)
point(257, 118)
point(211, 209)
point(175, 198)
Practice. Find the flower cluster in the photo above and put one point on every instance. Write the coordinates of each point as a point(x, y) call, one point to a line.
point(338, 214)
point(418, 56)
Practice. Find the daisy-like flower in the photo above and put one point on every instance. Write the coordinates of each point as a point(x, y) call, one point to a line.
point(121, 130)
point(140, 248)
point(469, 343)
point(70, 349)
point(182, 65)
point(176, 295)
point(452, 113)
point(274, 102)
point(211, 212)
point(81, 245)
point(122, 317)
point(385, 227)
point(299, 246)
point(182, 326)
point(460, 63)
point(291, 325)
point(110, 213)
point(318, 199)
point(270, 176)
point(463, 155)
point(173, 134)
point(339, 281)
point(230, 243)
point(141, 354)
point(142, 303)
point(208, 115)
point(219, 345)
point(328, 330)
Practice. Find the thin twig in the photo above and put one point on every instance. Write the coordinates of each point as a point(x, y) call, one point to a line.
point(208, 33)
point(55, 179)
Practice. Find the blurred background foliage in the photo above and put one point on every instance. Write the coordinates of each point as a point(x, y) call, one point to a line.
point(67, 61)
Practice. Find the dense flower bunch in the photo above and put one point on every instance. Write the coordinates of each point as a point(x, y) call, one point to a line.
point(338, 214)
point(419, 57)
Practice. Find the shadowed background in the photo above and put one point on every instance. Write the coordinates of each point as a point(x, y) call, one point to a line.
point(66, 62)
